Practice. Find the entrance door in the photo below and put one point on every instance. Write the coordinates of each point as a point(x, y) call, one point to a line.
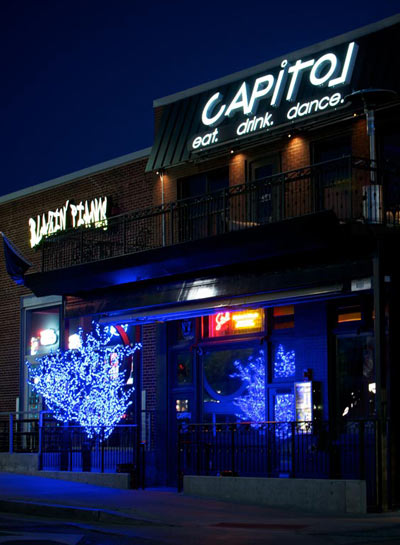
point(182, 399)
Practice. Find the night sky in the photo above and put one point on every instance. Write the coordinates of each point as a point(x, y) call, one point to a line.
point(78, 78)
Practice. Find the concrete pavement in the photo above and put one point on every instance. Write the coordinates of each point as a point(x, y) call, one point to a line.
point(41, 496)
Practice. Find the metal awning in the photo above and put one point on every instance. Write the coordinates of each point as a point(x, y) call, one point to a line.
point(202, 308)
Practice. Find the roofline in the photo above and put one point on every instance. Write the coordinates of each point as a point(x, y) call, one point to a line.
point(94, 169)
point(309, 50)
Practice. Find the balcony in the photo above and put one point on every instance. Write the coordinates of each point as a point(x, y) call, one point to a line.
point(352, 188)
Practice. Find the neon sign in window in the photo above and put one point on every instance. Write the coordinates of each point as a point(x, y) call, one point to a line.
point(236, 323)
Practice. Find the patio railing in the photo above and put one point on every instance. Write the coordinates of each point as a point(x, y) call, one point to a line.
point(335, 450)
point(355, 189)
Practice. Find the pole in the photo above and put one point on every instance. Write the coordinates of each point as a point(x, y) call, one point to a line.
point(162, 207)
point(379, 333)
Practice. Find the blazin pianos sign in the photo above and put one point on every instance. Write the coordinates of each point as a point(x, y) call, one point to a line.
point(85, 214)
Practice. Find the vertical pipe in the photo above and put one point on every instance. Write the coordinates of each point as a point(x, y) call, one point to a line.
point(162, 207)
point(11, 433)
point(379, 332)
point(40, 454)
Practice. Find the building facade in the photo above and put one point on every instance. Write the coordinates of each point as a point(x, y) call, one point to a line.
point(252, 252)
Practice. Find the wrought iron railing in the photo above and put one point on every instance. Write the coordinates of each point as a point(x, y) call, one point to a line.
point(355, 189)
point(336, 450)
point(68, 448)
point(19, 432)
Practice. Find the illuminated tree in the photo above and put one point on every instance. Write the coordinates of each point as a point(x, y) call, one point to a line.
point(252, 374)
point(285, 363)
point(84, 385)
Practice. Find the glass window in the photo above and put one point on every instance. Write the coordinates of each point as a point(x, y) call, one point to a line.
point(283, 317)
point(205, 182)
point(184, 373)
point(356, 385)
point(223, 384)
point(43, 331)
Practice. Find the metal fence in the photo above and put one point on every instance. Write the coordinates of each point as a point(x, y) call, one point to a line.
point(336, 450)
point(355, 189)
point(19, 432)
point(68, 448)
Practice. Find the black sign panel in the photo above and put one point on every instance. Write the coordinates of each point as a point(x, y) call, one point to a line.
point(297, 90)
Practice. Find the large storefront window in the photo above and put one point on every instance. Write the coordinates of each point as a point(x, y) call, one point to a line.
point(222, 384)
point(356, 376)
point(42, 335)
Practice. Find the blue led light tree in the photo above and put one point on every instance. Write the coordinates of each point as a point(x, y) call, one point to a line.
point(285, 413)
point(85, 385)
point(284, 363)
point(252, 374)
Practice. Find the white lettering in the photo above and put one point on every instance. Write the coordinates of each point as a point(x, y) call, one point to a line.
point(345, 77)
point(206, 140)
point(255, 124)
point(335, 99)
point(93, 213)
point(324, 71)
point(315, 74)
point(295, 80)
point(214, 100)
point(240, 101)
point(262, 87)
point(299, 110)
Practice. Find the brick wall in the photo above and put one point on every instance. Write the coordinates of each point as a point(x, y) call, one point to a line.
point(128, 188)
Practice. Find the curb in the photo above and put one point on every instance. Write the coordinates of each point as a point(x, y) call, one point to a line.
point(74, 513)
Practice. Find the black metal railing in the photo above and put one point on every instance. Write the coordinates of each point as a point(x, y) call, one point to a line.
point(19, 432)
point(68, 448)
point(336, 450)
point(353, 188)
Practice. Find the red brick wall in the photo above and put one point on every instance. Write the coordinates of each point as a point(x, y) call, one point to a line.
point(127, 186)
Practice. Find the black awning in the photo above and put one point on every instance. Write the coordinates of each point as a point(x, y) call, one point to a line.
point(286, 238)
point(16, 264)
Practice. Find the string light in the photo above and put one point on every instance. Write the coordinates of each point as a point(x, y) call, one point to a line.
point(252, 374)
point(85, 385)
point(285, 413)
point(285, 363)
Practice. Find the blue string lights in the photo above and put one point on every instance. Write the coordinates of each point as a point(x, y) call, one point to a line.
point(85, 385)
point(252, 374)
point(285, 413)
point(285, 363)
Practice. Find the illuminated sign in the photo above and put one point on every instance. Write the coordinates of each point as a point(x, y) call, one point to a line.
point(235, 323)
point(87, 213)
point(303, 403)
point(246, 320)
point(74, 342)
point(277, 93)
point(46, 337)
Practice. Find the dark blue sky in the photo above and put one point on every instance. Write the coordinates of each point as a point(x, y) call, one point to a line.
point(78, 77)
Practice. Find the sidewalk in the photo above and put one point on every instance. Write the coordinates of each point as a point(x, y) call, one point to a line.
point(153, 507)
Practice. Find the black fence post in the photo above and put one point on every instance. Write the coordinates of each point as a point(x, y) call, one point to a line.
point(293, 449)
point(143, 465)
point(362, 449)
point(233, 446)
point(179, 461)
point(102, 450)
point(40, 453)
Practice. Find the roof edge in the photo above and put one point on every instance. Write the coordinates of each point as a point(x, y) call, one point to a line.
point(94, 169)
point(247, 72)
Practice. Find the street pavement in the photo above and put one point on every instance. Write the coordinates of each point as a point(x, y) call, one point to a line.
point(164, 516)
